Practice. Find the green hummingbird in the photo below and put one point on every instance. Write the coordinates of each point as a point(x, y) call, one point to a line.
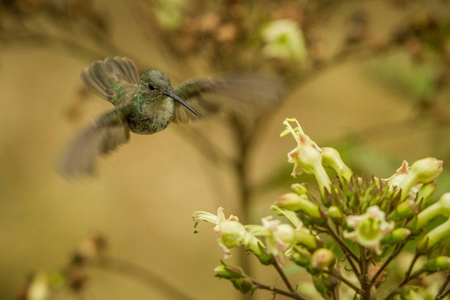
point(148, 103)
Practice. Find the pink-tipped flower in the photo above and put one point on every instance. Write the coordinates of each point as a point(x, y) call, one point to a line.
point(307, 156)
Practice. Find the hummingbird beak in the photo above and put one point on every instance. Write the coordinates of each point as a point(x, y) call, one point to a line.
point(176, 98)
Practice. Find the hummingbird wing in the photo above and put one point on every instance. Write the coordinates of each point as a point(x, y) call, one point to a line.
point(242, 93)
point(107, 132)
point(102, 76)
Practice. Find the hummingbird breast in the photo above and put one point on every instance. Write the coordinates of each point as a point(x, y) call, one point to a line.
point(151, 115)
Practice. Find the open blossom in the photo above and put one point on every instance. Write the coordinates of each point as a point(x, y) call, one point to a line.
point(230, 232)
point(307, 156)
point(369, 228)
point(284, 40)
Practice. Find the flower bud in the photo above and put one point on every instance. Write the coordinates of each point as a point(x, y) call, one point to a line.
point(427, 169)
point(304, 238)
point(440, 263)
point(300, 256)
point(335, 214)
point(322, 259)
point(332, 159)
point(294, 202)
point(422, 171)
point(299, 189)
point(397, 236)
point(441, 207)
point(424, 194)
point(404, 210)
point(228, 272)
point(433, 237)
point(244, 284)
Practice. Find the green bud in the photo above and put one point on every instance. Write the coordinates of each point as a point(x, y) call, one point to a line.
point(397, 236)
point(294, 202)
point(306, 239)
point(244, 285)
point(322, 259)
point(335, 214)
point(441, 207)
point(265, 258)
point(299, 189)
point(228, 272)
point(433, 237)
point(300, 256)
point(318, 284)
point(427, 169)
point(404, 210)
point(332, 159)
point(422, 171)
point(424, 194)
point(440, 263)
point(324, 284)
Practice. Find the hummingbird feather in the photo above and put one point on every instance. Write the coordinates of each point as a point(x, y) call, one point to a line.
point(242, 93)
point(98, 139)
point(102, 75)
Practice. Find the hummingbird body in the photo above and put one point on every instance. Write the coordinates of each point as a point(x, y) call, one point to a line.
point(150, 115)
point(148, 103)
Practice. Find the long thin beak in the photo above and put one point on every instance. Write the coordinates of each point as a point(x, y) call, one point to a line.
point(175, 97)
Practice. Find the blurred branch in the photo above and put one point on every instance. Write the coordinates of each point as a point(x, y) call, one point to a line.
point(153, 280)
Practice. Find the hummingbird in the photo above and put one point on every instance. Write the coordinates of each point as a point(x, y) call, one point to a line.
point(148, 103)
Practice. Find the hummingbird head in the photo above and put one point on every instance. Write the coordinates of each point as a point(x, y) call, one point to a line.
point(155, 83)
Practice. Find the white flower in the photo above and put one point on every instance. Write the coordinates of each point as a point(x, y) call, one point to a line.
point(369, 228)
point(284, 39)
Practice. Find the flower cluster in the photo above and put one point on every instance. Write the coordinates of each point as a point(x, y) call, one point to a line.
point(365, 222)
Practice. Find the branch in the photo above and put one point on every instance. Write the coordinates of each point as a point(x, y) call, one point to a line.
point(277, 291)
point(347, 251)
point(344, 280)
point(441, 294)
point(387, 262)
point(144, 275)
point(283, 276)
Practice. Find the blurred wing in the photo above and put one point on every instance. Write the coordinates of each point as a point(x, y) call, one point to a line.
point(99, 139)
point(239, 93)
point(101, 76)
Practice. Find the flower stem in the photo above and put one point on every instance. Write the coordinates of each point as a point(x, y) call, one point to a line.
point(344, 280)
point(388, 261)
point(442, 293)
point(277, 291)
point(347, 251)
point(283, 277)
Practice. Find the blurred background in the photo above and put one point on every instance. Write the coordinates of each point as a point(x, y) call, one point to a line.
point(370, 78)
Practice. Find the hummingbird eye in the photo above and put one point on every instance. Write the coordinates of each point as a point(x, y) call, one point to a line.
point(151, 87)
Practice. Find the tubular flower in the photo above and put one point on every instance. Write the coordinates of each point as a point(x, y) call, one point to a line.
point(369, 228)
point(307, 156)
point(230, 232)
